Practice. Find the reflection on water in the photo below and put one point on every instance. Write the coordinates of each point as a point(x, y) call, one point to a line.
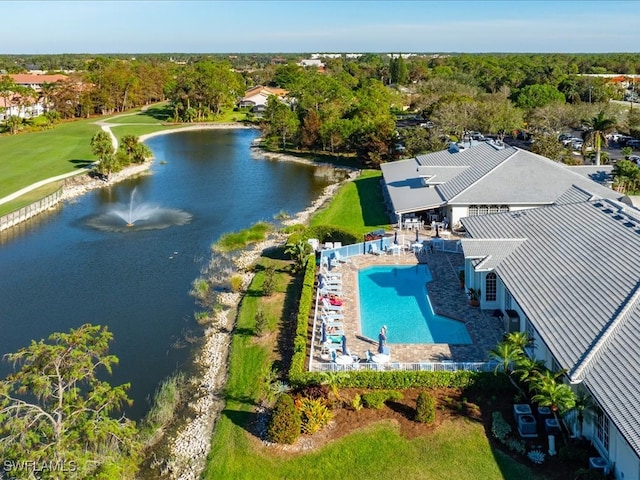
point(58, 272)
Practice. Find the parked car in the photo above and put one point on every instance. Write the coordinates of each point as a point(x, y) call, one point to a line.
point(633, 158)
point(633, 143)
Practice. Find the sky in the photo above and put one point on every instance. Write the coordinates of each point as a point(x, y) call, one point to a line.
point(313, 26)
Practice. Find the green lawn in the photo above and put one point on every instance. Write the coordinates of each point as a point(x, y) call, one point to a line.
point(455, 449)
point(358, 206)
point(30, 157)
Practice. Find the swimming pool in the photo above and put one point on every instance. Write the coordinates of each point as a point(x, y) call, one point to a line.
point(398, 298)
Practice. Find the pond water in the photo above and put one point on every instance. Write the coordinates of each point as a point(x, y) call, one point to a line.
point(58, 272)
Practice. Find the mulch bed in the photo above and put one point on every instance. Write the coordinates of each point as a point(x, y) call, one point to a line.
point(451, 405)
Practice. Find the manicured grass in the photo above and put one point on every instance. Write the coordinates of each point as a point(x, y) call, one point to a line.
point(29, 198)
point(31, 157)
point(453, 450)
point(358, 206)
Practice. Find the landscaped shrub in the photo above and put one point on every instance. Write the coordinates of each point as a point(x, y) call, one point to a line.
point(261, 323)
point(236, 283)
point(515, 445)
point(284, 424)
point(378, 398)
point(425, 408)
point(500, 428)
point(314, 414)
point(269, 282)
point(356, 403)
point(313, 391)
point(573, 453)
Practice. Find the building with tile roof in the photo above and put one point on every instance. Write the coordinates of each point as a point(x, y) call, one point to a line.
point(570, 276)
point(488, 177)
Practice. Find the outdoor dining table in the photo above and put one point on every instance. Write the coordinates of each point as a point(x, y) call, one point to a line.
point(416, 246)
point(344, 360)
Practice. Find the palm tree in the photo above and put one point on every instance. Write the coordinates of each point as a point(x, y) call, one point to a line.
point(519, 339)
point(507, 354)
point(553, 394)
point(584, 404)
point(299, 251)
point(528, 370)
point(596, 135)
point(333, 381)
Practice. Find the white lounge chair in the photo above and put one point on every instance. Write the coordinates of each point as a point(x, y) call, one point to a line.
point(375, 250)
point(337, 259)
point(327, 306)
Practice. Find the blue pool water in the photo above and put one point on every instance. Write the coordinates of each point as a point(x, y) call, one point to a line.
point(397, 297)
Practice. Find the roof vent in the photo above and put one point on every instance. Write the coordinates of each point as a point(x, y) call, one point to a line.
point(618, 217)
point(629, 224)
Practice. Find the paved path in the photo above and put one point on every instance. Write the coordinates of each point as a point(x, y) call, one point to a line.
point(105, 125)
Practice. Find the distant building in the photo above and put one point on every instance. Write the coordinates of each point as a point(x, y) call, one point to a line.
point(256, 97)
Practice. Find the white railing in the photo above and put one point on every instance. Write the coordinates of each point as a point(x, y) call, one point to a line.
point(383, 244)
point(444, 366)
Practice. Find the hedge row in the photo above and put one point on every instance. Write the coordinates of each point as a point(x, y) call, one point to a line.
point(299, 376)
point(300, 340)
point(325, 233)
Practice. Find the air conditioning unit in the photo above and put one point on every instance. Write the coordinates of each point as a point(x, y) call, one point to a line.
point(511, 321)
point(599, 463)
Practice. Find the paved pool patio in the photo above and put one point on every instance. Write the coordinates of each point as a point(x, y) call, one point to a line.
point(447, 297)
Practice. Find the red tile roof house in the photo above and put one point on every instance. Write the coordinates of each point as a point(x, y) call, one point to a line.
point(258, 96)
point(15, 104)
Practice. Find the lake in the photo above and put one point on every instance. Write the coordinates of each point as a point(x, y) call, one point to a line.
point(57, 272)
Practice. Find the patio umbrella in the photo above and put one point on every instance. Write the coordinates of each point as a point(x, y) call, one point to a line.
point(381, 340)
point(417, 233)
point(344, 345)
point(323, 332)
point(395, 237)
point(437, 232)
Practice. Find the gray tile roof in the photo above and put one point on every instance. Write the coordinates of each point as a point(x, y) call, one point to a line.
point(484, 174)
point(491, 252)
point(577, 277)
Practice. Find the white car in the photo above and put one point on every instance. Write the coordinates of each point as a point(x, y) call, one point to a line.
point(634, 158)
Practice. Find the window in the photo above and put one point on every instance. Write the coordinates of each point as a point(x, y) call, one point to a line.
point(602, 429)
point(490, 287)
point(486, 209)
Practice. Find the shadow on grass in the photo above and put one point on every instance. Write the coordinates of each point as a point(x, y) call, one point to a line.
point(161, 113)
point(371, 200)
point(244, 420)
point(81, 163)
point(289, 322)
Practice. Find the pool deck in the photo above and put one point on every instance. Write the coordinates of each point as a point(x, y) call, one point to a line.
point(447, 298)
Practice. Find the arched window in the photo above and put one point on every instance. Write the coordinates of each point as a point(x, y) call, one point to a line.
point(490, 287)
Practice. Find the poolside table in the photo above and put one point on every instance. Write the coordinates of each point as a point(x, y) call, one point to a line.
point(381, 358)
point(344, 360)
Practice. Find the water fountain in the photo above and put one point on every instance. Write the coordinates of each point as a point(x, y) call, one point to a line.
point(138, 216)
